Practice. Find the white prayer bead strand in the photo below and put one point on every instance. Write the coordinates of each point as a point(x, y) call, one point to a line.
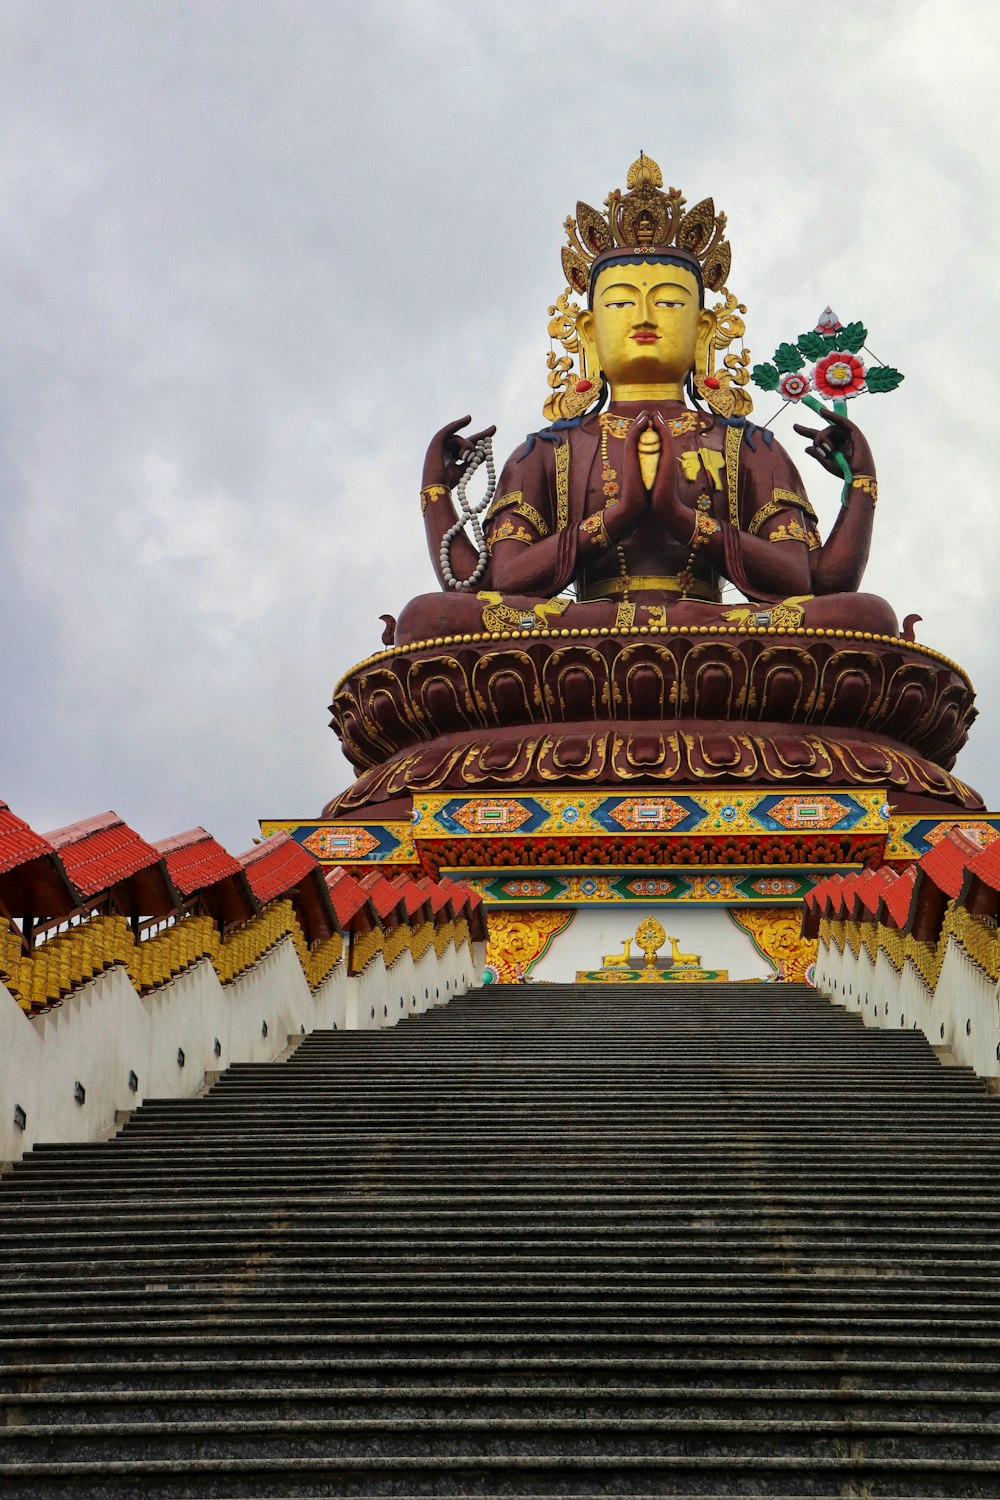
point(469, 515)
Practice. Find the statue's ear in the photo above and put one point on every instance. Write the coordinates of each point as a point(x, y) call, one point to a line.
point(585, 333)
point(704, 359)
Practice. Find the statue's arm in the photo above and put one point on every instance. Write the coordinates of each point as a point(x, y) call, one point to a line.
point(839, 565)
point(443, 464)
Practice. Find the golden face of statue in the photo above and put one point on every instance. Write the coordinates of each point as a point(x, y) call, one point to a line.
point(644, 329)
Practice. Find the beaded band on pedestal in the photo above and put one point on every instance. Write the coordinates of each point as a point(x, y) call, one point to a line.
point(469, 514)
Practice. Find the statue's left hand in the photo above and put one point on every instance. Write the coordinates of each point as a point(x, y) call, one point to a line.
point(448, 453)
point(842, 436)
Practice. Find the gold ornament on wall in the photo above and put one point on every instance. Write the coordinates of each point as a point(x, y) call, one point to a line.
point(516, 940)
point(777, 935)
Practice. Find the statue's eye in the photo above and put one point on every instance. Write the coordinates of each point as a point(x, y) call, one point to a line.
point(625, 303)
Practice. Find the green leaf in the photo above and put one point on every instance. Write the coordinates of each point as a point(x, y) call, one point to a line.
point(882, 378)
point(766, 376)
point(787, 358)
point(815, 345)
point(852, 337)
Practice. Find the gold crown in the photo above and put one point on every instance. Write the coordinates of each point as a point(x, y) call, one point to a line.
point(641, 218)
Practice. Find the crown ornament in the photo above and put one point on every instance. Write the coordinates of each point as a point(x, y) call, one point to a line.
point(642, 218)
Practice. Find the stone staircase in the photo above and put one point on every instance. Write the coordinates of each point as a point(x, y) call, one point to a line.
point(550, 1240)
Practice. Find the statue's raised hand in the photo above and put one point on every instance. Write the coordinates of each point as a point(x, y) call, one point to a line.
point(448, 453)
point(841, 437)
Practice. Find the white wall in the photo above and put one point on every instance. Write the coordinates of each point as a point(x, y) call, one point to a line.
point(105, 1030)
point(961, 1014)
point(597, 930)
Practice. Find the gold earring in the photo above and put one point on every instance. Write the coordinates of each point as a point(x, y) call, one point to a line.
point(716, 394)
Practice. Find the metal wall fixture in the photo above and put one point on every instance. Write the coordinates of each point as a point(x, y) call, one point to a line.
point(263, 1028)
point(20, 1117)
point(180, 1057)
point(79, 1092)
point(133, 1081)
point(217, 1047)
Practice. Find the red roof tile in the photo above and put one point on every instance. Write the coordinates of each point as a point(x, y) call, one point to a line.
point(196, 861)
point(945, 863)
point(18, 842)
point(277, 866)
point(33, 880)
point(872, 890)
point(842, 905)
point(457, 894)
point(346, 894)
point(415, 898)
point(899, 897)
point(387, 900)
point(101, 852)
point(986, 866)
point(439, 899)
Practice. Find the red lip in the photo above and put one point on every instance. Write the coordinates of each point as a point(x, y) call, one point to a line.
point(645, 338)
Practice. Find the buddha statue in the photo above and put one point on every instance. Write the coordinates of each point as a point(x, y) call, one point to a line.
point(618, 524)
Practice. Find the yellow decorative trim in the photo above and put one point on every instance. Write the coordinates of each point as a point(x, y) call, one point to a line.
point(786, 616)
point(498, 616)
point(976, 937)
point(74, 957)
point(594, 526)
point(868, 485)
point(812, 632)
point(514, 497)
point(508, 531)
point(160, 959)
point(443, 936)
point(521, 507)
point(395, 944)
point(790, 497)
point(562, 486)
point(610, 588)
point(364, 948)
point(926, 958)
point(677, 426)
point(432, 492)
point(532, 516)
point(890, 942)
point(794, 531)
point(764, 514)
point(420, 940)
point(734, 437)
point(616, 427)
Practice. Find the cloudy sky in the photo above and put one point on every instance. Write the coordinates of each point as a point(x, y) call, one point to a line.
point(254, 252)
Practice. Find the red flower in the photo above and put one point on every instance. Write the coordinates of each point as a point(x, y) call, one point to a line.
point(838, 376)
point(794, 385)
